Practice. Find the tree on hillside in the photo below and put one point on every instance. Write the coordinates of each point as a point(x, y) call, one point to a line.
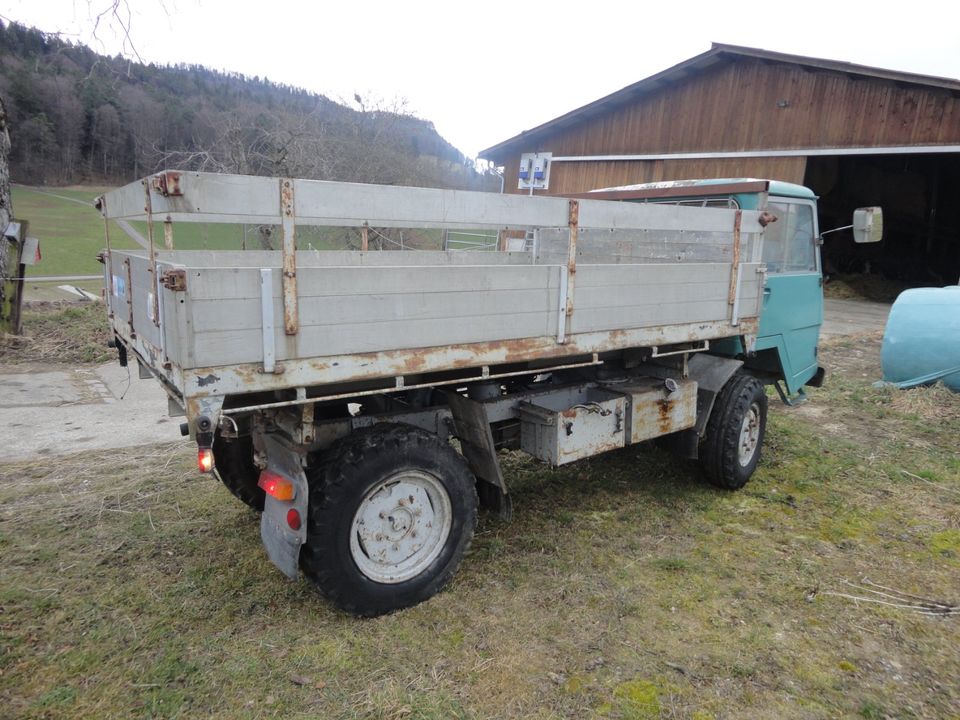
point(79, 116)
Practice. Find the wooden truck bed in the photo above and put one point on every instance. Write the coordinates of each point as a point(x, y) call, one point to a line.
point(597, 276)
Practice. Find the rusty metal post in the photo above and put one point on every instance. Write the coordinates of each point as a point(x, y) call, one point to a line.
point(365, 237)
point(734, 292)
point(133, 331)
point(108, 259)
point(291, 317)
point(148, 208)
point(102, 207)
point(168, 233)
point(573, 225)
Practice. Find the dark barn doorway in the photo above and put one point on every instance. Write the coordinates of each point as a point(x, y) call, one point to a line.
point(920, 196)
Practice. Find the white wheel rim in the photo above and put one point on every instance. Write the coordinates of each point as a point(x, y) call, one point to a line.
point(400, 527)
point(749, 435)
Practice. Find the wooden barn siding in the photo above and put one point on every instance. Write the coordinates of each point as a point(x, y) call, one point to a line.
point(583, 176)
point(734, 107)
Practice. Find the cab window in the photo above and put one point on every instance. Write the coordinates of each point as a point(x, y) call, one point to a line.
point(788, 243)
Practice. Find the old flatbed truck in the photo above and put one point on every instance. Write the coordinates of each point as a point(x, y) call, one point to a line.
point(324, 388)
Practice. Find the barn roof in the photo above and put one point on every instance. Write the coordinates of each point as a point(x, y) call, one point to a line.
point(718, 53)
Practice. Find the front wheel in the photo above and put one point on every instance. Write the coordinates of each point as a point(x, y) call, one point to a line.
point(730, 449)
point(392, 512)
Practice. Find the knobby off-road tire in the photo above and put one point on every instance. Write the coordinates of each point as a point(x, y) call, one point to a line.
point(234, 463)
point(392, 512)
point(730, 449)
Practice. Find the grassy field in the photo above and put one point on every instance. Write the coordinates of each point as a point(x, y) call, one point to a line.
point(72, 232)
point(625, 587)
point(69, 228)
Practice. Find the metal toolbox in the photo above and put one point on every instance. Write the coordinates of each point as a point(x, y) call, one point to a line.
point(659, 407)
point(561, 433)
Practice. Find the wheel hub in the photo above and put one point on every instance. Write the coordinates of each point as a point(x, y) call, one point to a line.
point(400, 527)
point(749, 435)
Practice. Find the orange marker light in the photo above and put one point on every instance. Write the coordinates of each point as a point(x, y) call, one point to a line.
point(205, 460)
point(276, 485)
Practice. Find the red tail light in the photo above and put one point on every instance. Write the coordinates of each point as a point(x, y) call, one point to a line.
point(205, 460)
point(293, 519)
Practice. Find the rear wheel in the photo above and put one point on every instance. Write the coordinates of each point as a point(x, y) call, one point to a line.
point(730, 450)
point(234, 462)
point(392, 512)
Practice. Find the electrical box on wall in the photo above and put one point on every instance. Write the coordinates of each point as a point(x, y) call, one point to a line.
point(534, 171)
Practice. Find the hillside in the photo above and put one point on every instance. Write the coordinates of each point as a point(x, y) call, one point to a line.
point(76, 116)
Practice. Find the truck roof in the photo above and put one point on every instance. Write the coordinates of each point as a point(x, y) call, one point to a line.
point(701, 187)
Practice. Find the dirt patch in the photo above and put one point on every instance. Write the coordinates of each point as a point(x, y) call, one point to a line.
point(853, 356)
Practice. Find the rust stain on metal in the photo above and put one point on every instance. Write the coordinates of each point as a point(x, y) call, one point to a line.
point(126, 263)
point(573, 226)
point(365, 237)
point(167, 183)
point(732, 294)
point(248, 374)
point(400, 363)
point(665, 419)
point(291, 315)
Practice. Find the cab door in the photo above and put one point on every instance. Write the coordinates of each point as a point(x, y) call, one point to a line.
point(793, 294)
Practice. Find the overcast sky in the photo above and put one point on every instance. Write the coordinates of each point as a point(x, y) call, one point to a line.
point(484, 71)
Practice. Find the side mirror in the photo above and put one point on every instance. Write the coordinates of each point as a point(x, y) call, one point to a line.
point(868, 225)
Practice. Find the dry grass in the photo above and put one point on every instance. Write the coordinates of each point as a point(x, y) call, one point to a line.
point(624, 588)
point(935, 403)
point(61, 332)
point(864, 287)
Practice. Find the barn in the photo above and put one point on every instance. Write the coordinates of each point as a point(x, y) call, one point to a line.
point(855, 135)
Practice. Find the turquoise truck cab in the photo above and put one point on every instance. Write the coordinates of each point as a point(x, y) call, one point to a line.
point(792, 313)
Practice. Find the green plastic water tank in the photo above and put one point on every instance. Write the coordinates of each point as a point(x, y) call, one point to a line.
point(921, 343)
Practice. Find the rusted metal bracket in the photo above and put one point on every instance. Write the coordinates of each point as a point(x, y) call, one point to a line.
point(733, 296)
point(573, 226)
point(167, 183)
point(291, 317)
point(175, 280)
